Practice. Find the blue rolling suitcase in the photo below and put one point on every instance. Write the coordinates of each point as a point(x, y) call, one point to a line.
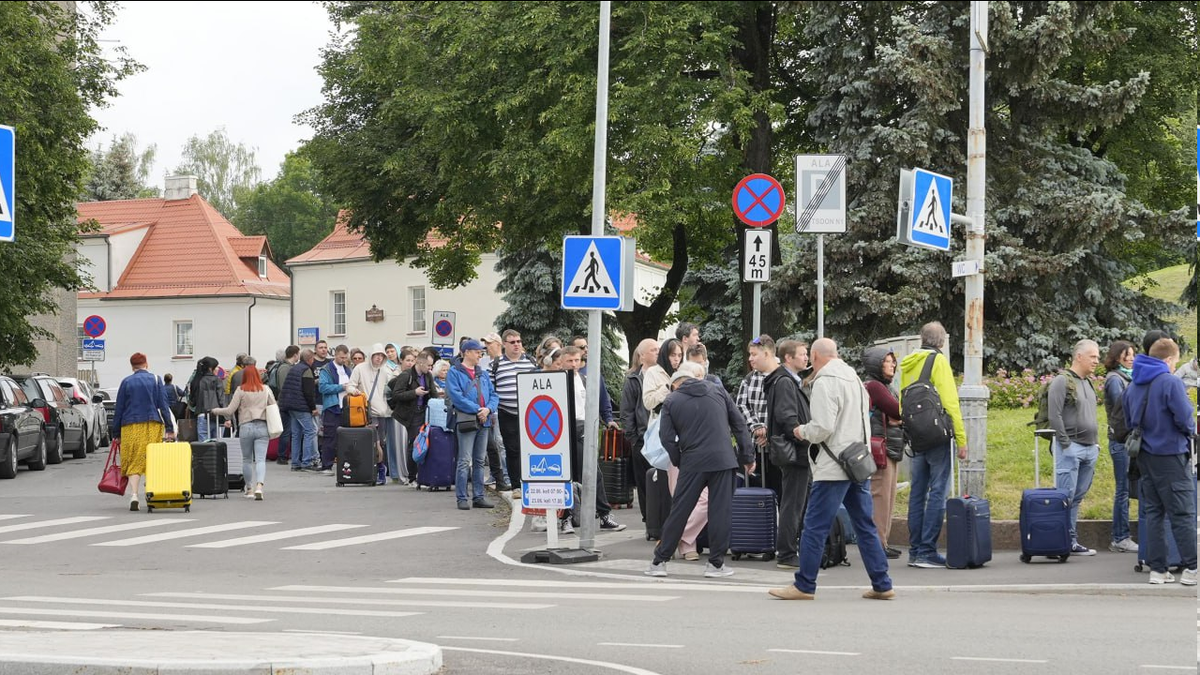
point(755, 522)
point(1045, 518)
point(968, 527)
point(437, 471)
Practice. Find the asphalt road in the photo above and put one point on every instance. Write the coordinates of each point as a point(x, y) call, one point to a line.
point(396, 562)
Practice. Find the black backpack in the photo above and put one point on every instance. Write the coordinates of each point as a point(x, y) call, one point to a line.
point(926, 424)
point(835, 547)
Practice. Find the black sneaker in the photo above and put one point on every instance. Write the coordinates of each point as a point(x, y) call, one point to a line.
point(607, 524)
point(482, 504)
point(891, 553)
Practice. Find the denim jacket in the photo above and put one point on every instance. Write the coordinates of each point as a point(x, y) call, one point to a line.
point(141, 398)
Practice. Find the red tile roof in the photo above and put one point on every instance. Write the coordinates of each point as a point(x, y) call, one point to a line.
point(189, 250)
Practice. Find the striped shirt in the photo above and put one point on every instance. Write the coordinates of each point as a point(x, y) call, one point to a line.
point(752, 401)
point(504, 378)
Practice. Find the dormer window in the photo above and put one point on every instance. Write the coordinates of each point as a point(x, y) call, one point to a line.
point(262, 266)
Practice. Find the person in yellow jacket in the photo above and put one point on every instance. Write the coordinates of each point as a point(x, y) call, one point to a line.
point(230, 383)
point(931, 469)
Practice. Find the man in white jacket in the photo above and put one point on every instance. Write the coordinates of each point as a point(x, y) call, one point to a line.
point(840, 413)
point(371, 378)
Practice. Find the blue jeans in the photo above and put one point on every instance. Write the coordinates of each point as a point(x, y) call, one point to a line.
point(823, 502)
point(472, 456)
point(304, 439)
point(927, 501)
point(1120, 513)
point(254, 438)
point(202, 427)
point(1168, 493)
point(1074, 469)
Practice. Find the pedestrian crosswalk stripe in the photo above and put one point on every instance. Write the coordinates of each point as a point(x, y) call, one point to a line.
point(355, 601)
point(600, 585)
point(276, 536)
point(13, 516)
point(481, 593)
point(181, 534)
point(240, 609)
point(368, 538)
point(93, 531)
point(196, 618)
point(4, 529)
point(54, 625)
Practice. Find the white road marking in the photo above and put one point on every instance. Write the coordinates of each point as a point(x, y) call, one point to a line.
point(813, 651)
point(93, 531)
point(368, 538)
point(133, 615)
point(181, 534)
point(608, 585)
point(50, 523)
point(276, 536)
point(480, 593)
point(320, 632)
point(1191, 668)
point(980, 658)
point(13, 516)
point(232, 608)
point(566, 659)
point(481, 639)
point(55, 625)
point(637, 644)
point(354, 601)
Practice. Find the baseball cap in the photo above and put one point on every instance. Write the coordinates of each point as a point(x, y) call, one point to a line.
point(471, 344)
point(491, 337)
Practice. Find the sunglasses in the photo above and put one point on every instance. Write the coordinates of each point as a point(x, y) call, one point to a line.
point(358, 358)
point(513, 342)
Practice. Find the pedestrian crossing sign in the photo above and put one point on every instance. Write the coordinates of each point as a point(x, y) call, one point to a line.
point(924, 215)
point(8, 180)
point(597, 272)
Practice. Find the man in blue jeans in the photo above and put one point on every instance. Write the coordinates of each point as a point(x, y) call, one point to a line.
point(840, 413)
point(1071, 403)
point(470, 391)
point(931, 469)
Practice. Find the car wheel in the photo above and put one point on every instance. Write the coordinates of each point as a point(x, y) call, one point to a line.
point(9, 468)
point(91, 440)
point(38, 463)
point(81, 450)
point(56, 457)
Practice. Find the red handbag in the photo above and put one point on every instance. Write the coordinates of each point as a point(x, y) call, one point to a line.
point(879, 451)
point(113, 481)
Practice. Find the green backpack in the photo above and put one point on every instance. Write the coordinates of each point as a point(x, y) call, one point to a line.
point(1041, 418)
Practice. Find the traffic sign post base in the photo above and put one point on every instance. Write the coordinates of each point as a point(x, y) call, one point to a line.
point(560, 556)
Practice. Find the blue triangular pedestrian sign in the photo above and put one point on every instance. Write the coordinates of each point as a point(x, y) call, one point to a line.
point(8, 176)
point(929, 223)
point(593, 272)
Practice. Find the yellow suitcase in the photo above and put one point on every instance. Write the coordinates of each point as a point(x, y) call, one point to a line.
point(169, 476)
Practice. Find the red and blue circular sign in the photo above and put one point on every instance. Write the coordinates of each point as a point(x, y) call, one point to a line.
point(544, 422)
point(758, 200)
point(444, 328)
point(94, 326)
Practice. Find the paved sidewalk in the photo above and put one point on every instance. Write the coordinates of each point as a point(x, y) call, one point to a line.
point(137, 652)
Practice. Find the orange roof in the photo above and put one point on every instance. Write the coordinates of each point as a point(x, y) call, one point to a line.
point(189, 250)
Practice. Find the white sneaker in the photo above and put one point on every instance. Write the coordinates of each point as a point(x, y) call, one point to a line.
point(1188, 578)
point(656, 569)
point(565, 527)
point(711, 572)
point(539, 523)
point(1159, 578)
point(1126, 545)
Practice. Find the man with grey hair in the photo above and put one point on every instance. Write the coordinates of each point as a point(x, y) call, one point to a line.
point(1071, 403)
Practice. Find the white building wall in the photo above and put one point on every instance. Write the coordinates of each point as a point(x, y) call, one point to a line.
point(93, 260)
point(219, 329)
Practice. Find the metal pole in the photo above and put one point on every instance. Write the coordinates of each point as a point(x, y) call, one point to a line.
point(586, 510)
point(973, 395)
point(756, 321)
point(820, 286)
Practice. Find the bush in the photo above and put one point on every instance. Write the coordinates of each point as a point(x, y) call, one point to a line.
point(1021, 391)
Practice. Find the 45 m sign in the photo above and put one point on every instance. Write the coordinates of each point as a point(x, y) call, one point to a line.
point(756, 256)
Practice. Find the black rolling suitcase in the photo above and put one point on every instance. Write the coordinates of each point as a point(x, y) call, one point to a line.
point(755, 522)
point(658, 502)
point(614, 467)
point(968, 527)
point(210, 475)
point(355, 456)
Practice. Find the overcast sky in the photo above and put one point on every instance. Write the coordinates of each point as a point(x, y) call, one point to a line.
point(245, 66)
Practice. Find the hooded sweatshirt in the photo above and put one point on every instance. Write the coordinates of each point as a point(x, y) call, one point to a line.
point(943, 380)
point(840, 413)
point(884, 406)
point(697, 422)
point(372, 381)
point(1169, 419)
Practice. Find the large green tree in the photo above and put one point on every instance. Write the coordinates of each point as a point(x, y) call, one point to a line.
point(54, 72)
point(224, 169)
point(291, 210)
point(120, 172)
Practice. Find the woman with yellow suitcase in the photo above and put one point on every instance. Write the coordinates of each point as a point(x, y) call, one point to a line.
point(140, 416)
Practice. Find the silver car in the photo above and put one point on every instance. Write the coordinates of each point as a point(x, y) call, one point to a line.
point(84, 399)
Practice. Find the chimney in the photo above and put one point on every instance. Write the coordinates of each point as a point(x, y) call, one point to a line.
point(179, 187)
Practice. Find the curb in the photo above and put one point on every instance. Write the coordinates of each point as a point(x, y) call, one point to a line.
point(211, 653)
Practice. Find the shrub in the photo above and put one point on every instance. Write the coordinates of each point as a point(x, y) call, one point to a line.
point(1021, 391)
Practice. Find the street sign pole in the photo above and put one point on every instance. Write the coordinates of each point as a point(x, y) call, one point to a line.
point(820, 286)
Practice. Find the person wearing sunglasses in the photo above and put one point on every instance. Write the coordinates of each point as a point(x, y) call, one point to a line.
point(504, 371)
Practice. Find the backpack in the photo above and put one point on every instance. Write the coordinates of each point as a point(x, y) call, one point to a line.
point(273, 378)
point(835, 547)
point(1041, 417)
point(926, 424)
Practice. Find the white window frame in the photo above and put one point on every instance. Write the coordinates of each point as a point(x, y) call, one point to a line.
point(262, 266)
point(333, 313)
point(418, 313)
point(81, 336)
point(175, 342)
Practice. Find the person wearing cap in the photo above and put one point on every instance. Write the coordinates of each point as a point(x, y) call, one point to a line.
point(139, 419)
point(370, 378)
point(471, 393)
point(697, 421)
point(494, 349)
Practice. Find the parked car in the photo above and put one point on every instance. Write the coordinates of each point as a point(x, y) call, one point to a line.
point(83, 398)
point(64, 424)
point(108, 399)
point(22, 432)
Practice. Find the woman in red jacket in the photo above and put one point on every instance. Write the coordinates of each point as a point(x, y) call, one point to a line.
point(879, 367)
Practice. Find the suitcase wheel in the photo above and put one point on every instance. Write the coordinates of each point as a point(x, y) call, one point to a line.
point(188, 508)
point(737, 556)
point(1063, 558)
point(1139, 567)
point(149, 509)
point(1025, 558)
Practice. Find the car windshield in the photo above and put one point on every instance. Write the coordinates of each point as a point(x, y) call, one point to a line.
point(30, 389)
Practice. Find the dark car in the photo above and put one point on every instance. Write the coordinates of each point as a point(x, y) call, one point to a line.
point(22, 438)
point(65, 428)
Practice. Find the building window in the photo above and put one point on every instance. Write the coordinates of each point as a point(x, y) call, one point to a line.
point(416, 295)
point(262, 266)
point(183, 338)
point(79, 342)
point(338, 299)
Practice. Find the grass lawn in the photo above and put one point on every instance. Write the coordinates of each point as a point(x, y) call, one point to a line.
point(1171, 282)
point(1010, 469)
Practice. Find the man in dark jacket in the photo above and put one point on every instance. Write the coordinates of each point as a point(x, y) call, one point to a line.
point(1157, 403)
point(787, 409)
point(635, 417)
point(695, 428)
point(299, 398)
point(410, 394)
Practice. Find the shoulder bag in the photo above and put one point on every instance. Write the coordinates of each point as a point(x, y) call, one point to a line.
point(465, 421)
point(112, 480)
point(1133, 442)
